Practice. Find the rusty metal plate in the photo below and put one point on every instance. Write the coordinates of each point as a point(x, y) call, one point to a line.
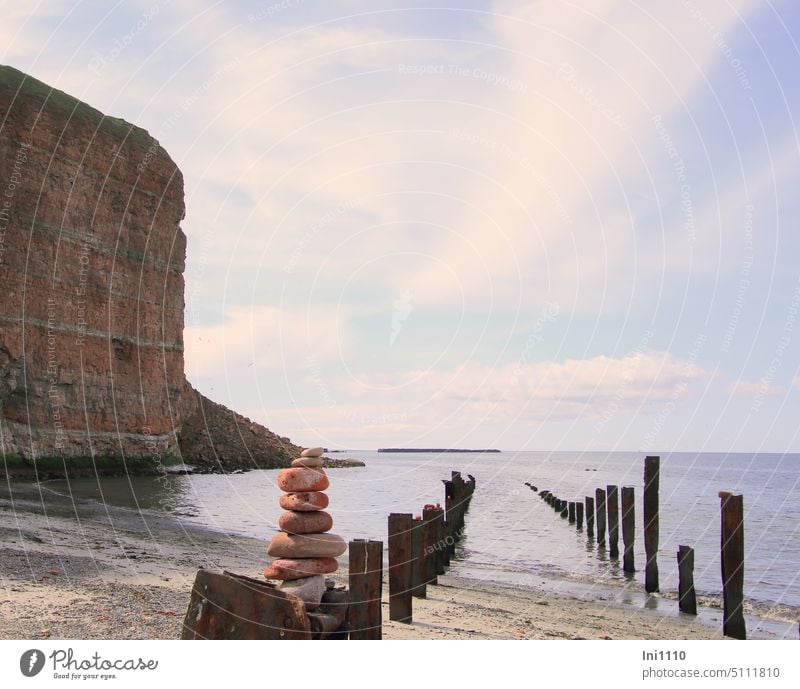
point(231, 606)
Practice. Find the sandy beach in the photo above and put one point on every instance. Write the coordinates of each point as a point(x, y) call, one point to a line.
point(81, 570)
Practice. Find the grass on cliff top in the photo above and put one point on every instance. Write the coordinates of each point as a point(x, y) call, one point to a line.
point(69, 106)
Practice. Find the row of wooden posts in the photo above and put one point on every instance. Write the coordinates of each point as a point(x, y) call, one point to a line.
point(603, 517)
point(420, 549)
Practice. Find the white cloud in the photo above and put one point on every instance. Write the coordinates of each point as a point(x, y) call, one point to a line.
point(754, 388)
point(406, 408)
point(521, 169)
point(259, 339)
point(596, 73)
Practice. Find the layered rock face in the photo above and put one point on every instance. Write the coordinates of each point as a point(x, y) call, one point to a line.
point(92, 294)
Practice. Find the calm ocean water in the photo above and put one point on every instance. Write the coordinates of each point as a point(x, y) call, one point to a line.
point(511, 535)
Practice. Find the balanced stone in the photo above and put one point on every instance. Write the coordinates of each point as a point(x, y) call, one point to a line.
point(302, 479)
point(304, 502)
point(310, 462)
point(308, 589)
point(305, 522)
point(312, 452)
point(288, 569)
point(306, 545)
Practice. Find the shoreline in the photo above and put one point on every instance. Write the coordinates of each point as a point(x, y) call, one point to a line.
point(46, 469)
point(81, 569)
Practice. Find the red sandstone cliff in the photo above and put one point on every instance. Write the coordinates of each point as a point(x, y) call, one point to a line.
point(91, 295)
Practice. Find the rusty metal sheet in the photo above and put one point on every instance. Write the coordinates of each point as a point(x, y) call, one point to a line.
point(231, 606)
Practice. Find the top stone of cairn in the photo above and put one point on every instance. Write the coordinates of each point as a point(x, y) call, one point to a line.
point(312, 452)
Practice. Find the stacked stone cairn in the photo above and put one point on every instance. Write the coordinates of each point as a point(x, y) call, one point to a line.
point(305, 550)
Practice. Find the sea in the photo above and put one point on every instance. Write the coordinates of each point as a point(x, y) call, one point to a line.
point(512, 537)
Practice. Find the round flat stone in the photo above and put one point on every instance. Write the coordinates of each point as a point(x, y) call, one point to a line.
point(309, 462)
point(302, 480)
point(289, 569)
point(305, 522)
point(304, 502)
point(312, 452)
point(306, 545)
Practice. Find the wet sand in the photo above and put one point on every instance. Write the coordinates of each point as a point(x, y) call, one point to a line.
point(79, 570)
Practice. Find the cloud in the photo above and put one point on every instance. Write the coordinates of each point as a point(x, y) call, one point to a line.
point(754, 388)
point(580, 136)
point(260, 339)
point(408, 407)
point(487, 165)
point(519, 150)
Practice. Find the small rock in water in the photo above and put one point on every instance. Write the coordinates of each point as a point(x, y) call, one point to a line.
point(306, 545)
point(304, 502)
point(309, 462)
point(308, 589)
point(287, 568)
point(302, 479)
point(312, 452)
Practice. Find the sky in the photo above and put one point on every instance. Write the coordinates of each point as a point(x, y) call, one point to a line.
point(520, 225)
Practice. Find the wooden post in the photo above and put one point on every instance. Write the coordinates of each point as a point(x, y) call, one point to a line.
point(589, 517)
point(430, 538)
point(366, 583)
point(400, 528)
point(450, 518)
point(600, 516)
point(628, 528)
point(564, 509)
point(460, 500)
point(440, 544)
point(571, 512)
point(579, 515)
point(732, 556)
point(651, 472)
point(612, 503)
point(419, 564)
point(687, 600)
point(357, 579)
point(444, 540)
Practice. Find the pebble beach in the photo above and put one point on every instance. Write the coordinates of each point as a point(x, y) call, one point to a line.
point(79, 569)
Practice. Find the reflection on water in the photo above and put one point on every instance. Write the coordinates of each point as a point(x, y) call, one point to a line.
point(151, 493)
point(512, 536)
